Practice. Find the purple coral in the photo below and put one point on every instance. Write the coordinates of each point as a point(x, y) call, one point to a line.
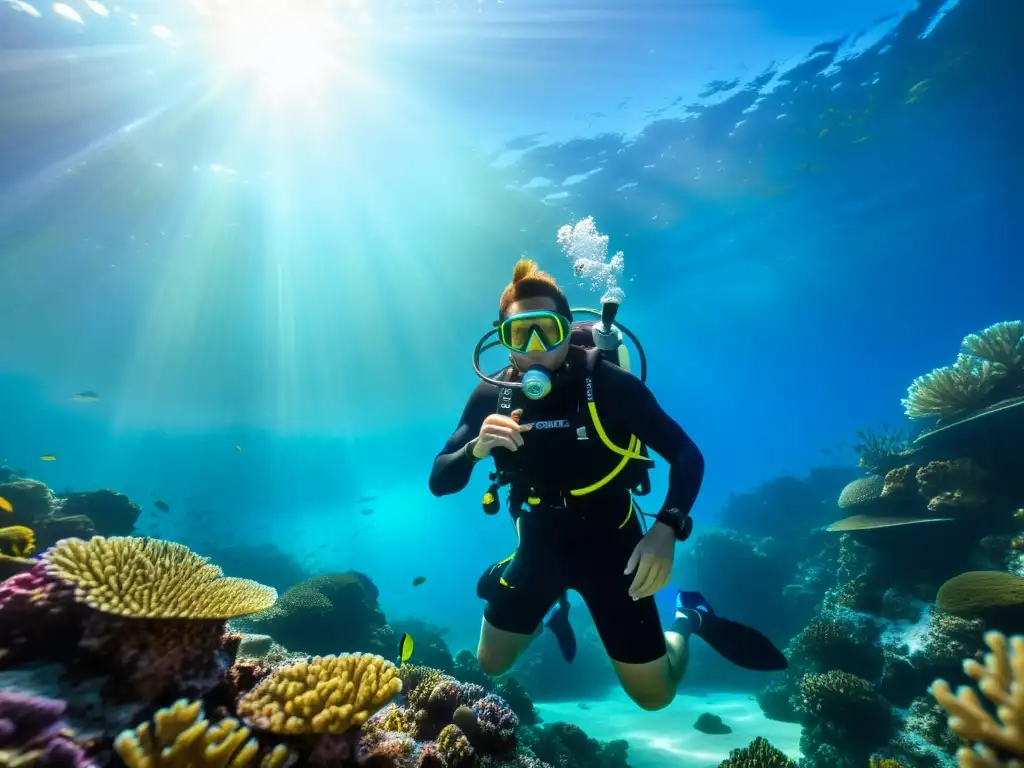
point(29, 724)
point(38, 616)
point(498, 724)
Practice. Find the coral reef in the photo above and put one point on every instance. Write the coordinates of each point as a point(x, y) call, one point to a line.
point(326, 695)
point(79, 515)
point(180, 735)
point(990, 740)
point(134, 631)
point(334, 613)
point(148, 614)
point(759, 754)
point(32, 734)
point(989, 370)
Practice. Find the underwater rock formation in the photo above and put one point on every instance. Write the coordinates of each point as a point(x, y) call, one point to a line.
point(759, 754)
point(334, 613)
point(79, 515)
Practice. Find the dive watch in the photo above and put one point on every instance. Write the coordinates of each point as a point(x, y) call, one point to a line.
point(680, 522)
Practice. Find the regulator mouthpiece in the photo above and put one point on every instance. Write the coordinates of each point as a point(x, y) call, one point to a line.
point(536, 382)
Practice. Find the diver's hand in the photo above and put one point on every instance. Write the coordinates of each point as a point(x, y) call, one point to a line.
point(652, 561)
point(498, 431)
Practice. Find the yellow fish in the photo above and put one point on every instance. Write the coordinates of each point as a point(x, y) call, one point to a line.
point(48, 457)
point(5, 505)
point(405, 647)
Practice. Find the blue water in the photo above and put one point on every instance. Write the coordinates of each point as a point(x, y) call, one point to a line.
point(816, 202)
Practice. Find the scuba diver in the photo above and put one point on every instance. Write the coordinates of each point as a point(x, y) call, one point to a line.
point(568, 427)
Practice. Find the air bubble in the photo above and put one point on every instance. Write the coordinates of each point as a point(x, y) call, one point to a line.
point(588, 250)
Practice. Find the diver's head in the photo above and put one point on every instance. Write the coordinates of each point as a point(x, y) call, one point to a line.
point(534, 319)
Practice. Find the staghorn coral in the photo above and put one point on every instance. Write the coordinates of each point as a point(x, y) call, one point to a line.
point(998, 742)
point(32, 734)
point(1001, 343)
point(954, 390)
point(154, 579)
point(759, 754)
point(17, 541)
point(180, 736)
point(327, 695)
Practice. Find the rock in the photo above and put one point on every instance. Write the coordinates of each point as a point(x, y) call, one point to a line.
point(711, 725)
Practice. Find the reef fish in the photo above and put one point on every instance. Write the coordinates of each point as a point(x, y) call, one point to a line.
point(238, 449)
point(405, 648)
point(162, 505)
point(419, 580)
point(48, 457)
point(86, 397)
point(5, 505)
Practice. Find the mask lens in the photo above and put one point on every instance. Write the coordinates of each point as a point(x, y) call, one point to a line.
point(533, 331)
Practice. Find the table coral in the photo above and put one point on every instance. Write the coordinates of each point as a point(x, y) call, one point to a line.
point(32, 734)
point(327, 695)
point(152, 579)
point(180, 736)
point(998, 742)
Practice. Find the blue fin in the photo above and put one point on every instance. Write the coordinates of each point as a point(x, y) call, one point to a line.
point(694, 601)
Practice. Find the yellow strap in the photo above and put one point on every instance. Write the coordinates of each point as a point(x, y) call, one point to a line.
point(629, 514)
point(626, 456)
point(629, 453)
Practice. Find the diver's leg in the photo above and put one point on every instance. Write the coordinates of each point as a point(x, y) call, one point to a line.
point(648, 662)
point(499, 649)
point(742, 645)
point(528, 585)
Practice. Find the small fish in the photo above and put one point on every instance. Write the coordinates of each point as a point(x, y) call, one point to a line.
point(162, 505)
point(405, 648)
point(86, 397)
point(366, 511)
point(238, 449)
point(826, 452)
point(583, 705)
point(48, 457)
point(366, 499)
point(24, 7)
point(5, 505)
point(419, 580)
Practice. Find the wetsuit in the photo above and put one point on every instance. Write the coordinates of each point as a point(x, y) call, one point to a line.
point(573, 535)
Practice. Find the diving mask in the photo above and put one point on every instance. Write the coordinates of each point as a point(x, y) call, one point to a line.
point(533, 331)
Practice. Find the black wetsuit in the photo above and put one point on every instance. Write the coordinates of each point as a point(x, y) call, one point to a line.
point(579, 542)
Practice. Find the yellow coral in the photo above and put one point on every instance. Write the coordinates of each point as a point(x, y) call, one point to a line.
point(181, 737)
point(327, 694)
point(1002, 343)
point(953, 390)
point(153, 579)
point(17, 540)
point(1001, 680)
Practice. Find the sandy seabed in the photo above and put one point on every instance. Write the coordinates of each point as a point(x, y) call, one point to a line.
point(667, 738)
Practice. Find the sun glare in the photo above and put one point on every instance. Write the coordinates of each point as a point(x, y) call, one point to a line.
point(282, 44)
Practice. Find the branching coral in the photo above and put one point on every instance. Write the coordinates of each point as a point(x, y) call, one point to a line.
point(329, 694)
point(17, 541)
point(181, 737)
point(760, 754)
point(150, 578)
point(1002, 344)
point(992, 356)
point(998, 742)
